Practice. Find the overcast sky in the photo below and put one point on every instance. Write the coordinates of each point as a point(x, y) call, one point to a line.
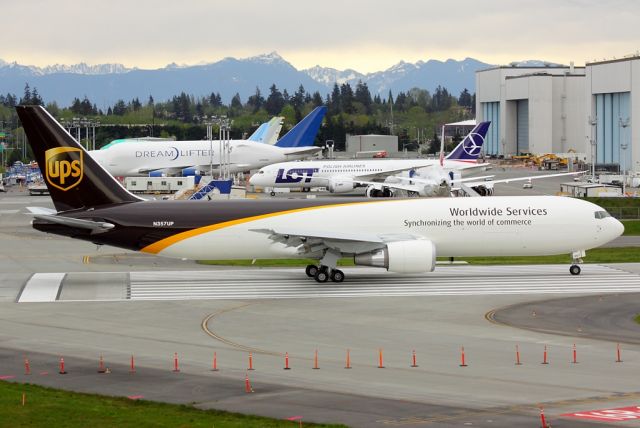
point(363, 35)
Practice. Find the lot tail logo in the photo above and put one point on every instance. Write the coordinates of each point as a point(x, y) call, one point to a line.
point(64, 167)
point(473, 144)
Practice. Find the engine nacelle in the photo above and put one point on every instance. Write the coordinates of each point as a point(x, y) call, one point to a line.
point(484, 190)
point(382, 192)
point(340, 185)
point(188, 172)
point(157, 174)
point(416, 256)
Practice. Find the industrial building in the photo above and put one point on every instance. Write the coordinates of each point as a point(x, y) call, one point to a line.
point(560, 109)
point(363, 145)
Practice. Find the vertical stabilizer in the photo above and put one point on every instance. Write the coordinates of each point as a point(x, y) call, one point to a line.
point(469, 149)
point(304, 133)
point(74, 179)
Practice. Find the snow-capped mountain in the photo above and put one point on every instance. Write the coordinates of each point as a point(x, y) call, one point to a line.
point(270, 58)
point(83, 68)
point(328, 76)
point(451, 74)
point(535, 63)
point(105, 84)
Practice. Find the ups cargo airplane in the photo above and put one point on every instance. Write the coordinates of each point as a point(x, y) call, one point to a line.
point(400, 235)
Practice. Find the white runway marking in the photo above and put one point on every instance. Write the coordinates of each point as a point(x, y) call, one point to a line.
point(42, 287)
point(448, 280)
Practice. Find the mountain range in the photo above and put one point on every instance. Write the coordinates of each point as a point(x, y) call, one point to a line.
point(104, 84)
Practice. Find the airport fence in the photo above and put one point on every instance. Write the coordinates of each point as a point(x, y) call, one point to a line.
point(624, 213)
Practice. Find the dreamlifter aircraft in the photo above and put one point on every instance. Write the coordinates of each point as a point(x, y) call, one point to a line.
point(401, 235)
point(143, 158)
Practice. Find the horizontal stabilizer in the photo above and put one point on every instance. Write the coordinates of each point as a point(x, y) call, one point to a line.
point(96, 226)
point(41, 211)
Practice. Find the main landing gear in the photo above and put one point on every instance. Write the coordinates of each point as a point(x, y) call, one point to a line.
point(577, 258)
point(324, 273)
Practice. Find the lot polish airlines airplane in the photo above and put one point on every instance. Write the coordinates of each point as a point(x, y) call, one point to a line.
point(379, 176)
point(142, 158)
point(400, 235)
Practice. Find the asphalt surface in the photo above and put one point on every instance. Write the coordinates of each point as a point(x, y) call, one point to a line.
point(603, 317)
point(490, 391)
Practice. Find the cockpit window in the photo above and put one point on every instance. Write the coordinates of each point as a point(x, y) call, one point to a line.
point(602, 214)
point(260, 172)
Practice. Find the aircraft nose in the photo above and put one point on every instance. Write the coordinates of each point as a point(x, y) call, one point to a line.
point(617, 228)
point(254, 179)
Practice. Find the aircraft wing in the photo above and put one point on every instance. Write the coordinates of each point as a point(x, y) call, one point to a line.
point(509, 180)
point(310, 150)
point(169, 171)
point(314, 241)
point(466, 166)
point(385, 174)
point(398, 186)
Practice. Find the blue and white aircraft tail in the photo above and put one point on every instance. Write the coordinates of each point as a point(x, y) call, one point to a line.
point(268, 132)
point(469, 149)
point(304, 133)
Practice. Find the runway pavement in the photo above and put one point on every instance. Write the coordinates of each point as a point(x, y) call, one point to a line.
point(119, 304)
point(270, 283)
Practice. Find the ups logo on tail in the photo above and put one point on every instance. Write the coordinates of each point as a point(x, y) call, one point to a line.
point(63, 167)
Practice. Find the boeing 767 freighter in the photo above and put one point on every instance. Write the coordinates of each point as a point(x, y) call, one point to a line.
point(400, 235)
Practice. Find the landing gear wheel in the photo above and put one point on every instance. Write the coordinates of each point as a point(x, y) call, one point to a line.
point(272, 193)
point(337, 275)
point(575, 270)
point(322, 275)
point(311, 270)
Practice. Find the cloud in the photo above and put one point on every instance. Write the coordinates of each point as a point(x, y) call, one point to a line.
point(356, 34)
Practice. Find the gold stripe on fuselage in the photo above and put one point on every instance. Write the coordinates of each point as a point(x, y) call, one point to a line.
point(158, 246)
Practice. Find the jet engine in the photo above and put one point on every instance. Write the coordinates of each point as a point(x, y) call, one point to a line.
point(188, 172)
point(379, 192)
point(416, 256)
point(340, 185)
point(483, 190)
point(436, 189)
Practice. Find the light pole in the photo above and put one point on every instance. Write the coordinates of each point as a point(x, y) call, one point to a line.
point(224, 155)
point(594, 146)
point(623, 145)
point(209, 124)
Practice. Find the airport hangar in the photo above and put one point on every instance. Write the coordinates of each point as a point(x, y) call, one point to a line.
point(558, 109)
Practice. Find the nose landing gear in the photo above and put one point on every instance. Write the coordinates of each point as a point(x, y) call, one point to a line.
point(575, 270)
point(577, 258)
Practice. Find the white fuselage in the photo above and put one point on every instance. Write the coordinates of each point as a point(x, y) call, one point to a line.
point(296, 175)
point(496, 226)
point(138, 158)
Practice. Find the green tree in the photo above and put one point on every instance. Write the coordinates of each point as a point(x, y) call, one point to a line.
point(363, 96)
point(464, 99)
point(256, 101)
point(275, 101)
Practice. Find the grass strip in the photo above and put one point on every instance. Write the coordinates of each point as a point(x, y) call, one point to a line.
point(631, 227)
point(597, 255)
point(47, 407)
